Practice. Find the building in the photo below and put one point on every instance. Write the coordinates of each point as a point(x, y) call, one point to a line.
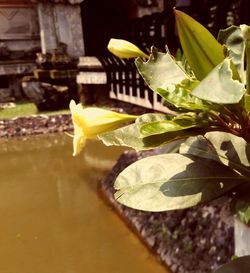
point(28, 27)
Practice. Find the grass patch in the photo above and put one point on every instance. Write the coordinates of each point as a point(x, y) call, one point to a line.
point(27, 109)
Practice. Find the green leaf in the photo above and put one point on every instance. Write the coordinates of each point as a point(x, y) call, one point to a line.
point(242, 209)
point(129, 135)
point(246, 35)
point(201, 49)
point(247, 102)
point(151, 117)
point(232, 37)
point(182, 98)
point(165, 138)
point(219, 87)
point(182, 62)
point(173, 181)
point(172, 124)
point(239, 265)
point(245, 214)
point(160, 71)
point(161, 127)
point(230, 150)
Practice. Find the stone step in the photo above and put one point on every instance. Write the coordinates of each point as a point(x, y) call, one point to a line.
point(43, 74)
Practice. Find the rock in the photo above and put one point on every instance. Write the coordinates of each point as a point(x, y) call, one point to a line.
point(7, 105)
point(47, 96)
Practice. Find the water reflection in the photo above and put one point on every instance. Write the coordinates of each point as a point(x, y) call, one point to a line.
point(52, 219)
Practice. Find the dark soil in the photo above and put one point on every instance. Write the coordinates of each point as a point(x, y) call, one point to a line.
point(195, 240)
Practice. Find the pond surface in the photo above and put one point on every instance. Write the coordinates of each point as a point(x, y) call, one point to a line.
point(52, 219)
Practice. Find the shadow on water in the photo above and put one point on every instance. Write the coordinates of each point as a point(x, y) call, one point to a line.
point(52, 219)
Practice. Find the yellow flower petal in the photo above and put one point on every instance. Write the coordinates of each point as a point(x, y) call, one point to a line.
point(79, 141)
point(91, 121)
point(99, 120)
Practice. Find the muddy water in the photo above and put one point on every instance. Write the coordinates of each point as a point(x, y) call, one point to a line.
point(52, 220)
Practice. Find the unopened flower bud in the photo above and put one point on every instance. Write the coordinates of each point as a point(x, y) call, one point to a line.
point(124, 49)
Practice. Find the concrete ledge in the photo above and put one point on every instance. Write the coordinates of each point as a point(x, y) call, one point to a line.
point(16, 67)
point(91, 78)
point(90, 63)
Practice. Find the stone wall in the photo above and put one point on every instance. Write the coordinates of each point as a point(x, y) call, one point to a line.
point(19, 42)
point(19, 31)
point(58, 20)
point(29, 27)
point(61, 23)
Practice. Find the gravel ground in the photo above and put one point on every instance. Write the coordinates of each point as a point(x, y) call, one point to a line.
point(35, 125)
point(43, 124)
point(195, 240)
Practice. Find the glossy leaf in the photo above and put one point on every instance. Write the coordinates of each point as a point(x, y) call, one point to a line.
point(161, 127)
point(239, 265)
point(246, 35)
point(182, 98)
point(232, 37)
point(176, 123)
point(219, 87)
point(201, 49)
point(160, 71)
point(145, 118)
point(165, 138)
point(130, 135)
point(230, 150)
point(173, 181)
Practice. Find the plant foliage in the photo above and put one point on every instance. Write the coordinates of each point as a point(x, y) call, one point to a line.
point(207, 106)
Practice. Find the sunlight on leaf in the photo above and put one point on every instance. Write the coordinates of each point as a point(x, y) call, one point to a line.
point(246, 35)
point(201, 49)
point(232, 37)
point(173, 124)
point(173, 181)
point(160, 71)
point(219, 87)
point(182, 98)
point(129, 135)
point(224, 147)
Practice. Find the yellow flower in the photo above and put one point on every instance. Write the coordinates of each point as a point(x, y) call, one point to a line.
point(91, 121)
point(125, 49)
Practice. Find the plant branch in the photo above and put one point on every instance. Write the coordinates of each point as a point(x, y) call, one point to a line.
point(226, 125)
